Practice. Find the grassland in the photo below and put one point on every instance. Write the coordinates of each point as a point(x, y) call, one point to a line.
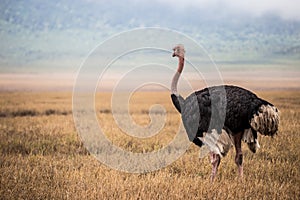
point(42, 157)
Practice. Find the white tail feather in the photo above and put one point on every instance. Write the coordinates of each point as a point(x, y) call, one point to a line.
point(217, 143)
point(266, 121)
point(249, 138)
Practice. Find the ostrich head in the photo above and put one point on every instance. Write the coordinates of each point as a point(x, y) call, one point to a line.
point(178, 51)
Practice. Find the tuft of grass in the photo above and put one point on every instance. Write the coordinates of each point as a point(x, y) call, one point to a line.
point(22, 113)
point(31, 113)
point(105, 111)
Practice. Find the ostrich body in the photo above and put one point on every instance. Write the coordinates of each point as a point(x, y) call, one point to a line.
point(221, 116)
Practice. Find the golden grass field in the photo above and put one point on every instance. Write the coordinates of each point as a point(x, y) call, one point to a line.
point(42, 156)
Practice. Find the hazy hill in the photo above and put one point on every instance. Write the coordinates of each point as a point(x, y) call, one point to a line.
point(56, 35)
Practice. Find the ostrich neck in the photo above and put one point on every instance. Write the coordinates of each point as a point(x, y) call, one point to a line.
point(176, 76)
point(180, 64)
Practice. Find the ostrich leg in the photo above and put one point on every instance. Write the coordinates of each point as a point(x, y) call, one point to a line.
point(215, 161)
point(239, 154)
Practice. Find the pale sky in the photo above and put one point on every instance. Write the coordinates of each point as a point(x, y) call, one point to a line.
point(287, 9)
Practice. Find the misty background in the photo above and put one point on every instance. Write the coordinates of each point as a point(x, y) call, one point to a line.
point(46, 41)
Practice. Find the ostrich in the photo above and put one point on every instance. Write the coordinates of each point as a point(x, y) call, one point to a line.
point(243, 113)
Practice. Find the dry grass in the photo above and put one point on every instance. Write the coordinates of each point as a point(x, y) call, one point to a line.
point(43, 158)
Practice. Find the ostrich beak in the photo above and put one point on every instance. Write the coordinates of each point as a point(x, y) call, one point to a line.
point(174, 50)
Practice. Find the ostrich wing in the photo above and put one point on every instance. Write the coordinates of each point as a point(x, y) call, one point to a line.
point(190, 115)
point(204, 111)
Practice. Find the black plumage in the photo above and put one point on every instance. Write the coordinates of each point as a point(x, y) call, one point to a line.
point(238, 103)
